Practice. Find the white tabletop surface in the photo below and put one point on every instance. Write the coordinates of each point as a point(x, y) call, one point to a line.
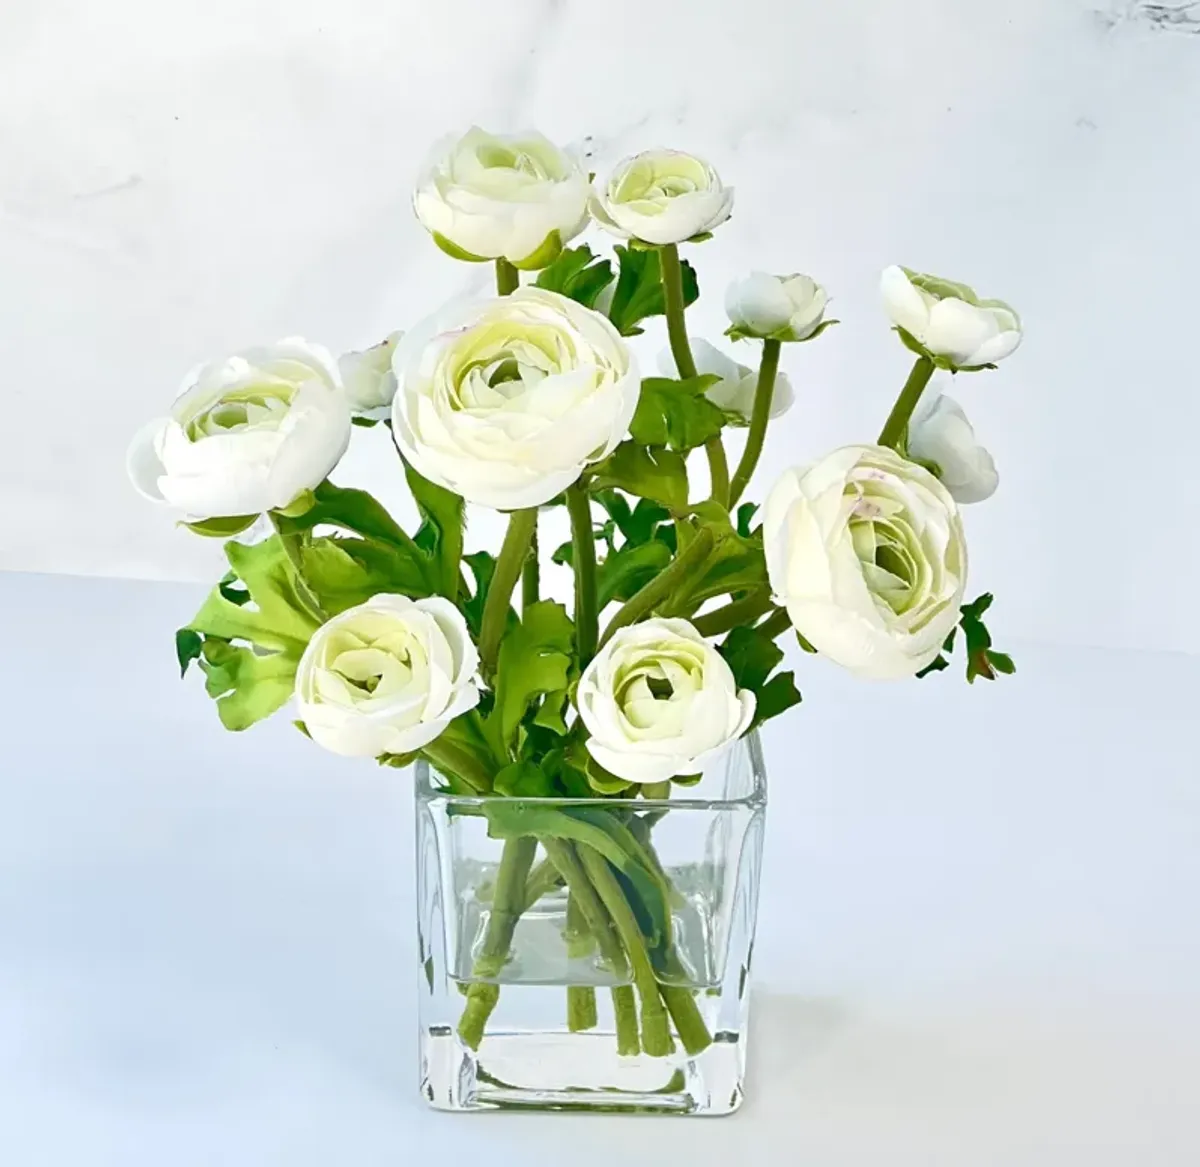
point(979, 940)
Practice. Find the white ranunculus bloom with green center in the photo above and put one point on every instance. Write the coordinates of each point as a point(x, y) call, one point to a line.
point(247, 435)
point(387, 676)
point(491, 196)
point(518, 394)
point(866, 551)
point(662, 196)
point(948, 321)
point(660, 702)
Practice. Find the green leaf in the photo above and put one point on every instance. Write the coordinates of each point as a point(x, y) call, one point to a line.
point(246, 685)
point(1001, 662)
point(777, 696)
point(639, 291)
point(639, 525)
point(483, 566)
point(350, 510)
point(366, 422)
point(579, 274)
point(441, 533)
point(222, 528)
point(345, 572)
point(657, 474)
point(230, 587)
point(751, 656)
point(187, 648)
point(745, 516)
point(249, 680)
point(551, 714)
point(622, 573)
point(676, 413)
point(397, 761)
point(524, 780)
point(535, 658)
point(977, 607)
point(736, 564)
point(937, 665)
point(455, 252)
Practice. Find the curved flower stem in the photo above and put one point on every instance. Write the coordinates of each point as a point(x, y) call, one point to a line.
point(507, 904)
point(583, 559)
point(656, 1028)
point(663, 584)
point(777, 624)
point(768, 370)
point(672, 283)
point(291, 542)
point(718, 470)
point(531, 574)
point(896, 425)
point(508, 279)
point(744, 611)
point(521, 525)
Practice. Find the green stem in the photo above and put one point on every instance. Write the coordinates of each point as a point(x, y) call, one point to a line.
point(508, 279)
point(629, 1044)
point(733, 615)
point(292, 542)
point(454, 762)
point(543, 879)
point(642, 602)
point(531, 573)
point(672, 285)
point(768, 370)
point(656, 1029)
point(565, 857)
point(718, 470)
point(689, 1021)
point(521, 525)
point(583, 543)
point(895, 427)
point(581, 999)
point(507, 904)
point(776, 624)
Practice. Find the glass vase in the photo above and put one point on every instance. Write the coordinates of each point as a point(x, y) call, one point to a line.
point(589, 954)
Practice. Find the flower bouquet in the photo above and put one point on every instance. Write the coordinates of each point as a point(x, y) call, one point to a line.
point(589, 783)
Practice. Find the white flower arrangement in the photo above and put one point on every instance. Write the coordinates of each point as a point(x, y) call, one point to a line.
point(397, 645)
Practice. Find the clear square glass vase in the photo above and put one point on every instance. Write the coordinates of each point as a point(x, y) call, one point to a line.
point(589, 954)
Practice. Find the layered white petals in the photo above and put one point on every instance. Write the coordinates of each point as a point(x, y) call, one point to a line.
point(939, 432)
point(948, 320)
point(247, 434)
point(866, 551)
point(501, 195)
point(387, 677)
point(662, 196)
point(735, 391)
point(780, 307)
point(660, 702)
point(506, 402)
point(368, 378)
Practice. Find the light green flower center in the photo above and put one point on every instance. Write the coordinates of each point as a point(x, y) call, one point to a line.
point(888, 549)
point(649, 184)
point(245, 408)
point(654, 693)
point(367, 664)
point(496, 366)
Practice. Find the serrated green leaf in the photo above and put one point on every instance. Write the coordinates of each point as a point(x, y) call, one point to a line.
point(639, 293)
point(777, 696)
point(482, 565)
point(622, 573)
point(676, 414)
point(551, 714)
point(751, 656)
point(535, 658)
point(578, 274)
point(247, 686)
point(523, 780)
point(344, 572)
point(349, 510)
point(441, 532)
point(658, 474)
point(188, 643)
point(736, 563)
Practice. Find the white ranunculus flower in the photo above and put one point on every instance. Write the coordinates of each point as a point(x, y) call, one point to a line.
point(776, 307)
point(248, 434)
point(510, 399)
point(368, 378)
point(516, 196)
point(939, 432)
point(865, 550)
point(734, 392)
point(948, 320)
point(662, 196)
point(387, 676)
point(660, 702)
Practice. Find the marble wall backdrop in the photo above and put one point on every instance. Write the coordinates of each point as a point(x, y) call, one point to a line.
point(179, 179)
